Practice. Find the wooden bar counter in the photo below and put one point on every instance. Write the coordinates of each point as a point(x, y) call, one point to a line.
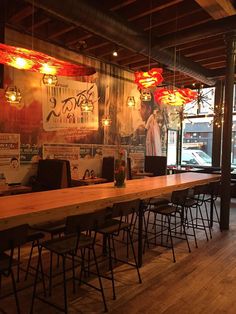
point(45, 206)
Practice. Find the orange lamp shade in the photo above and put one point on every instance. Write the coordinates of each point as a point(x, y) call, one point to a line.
point(174, 97)
point(148, 79)
point(25, 59)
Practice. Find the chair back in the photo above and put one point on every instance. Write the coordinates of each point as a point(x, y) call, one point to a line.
point(179, 197)
point(156, 165)
point(201, 189)
point(84, 222)
point(125, 208)
point(53, 174)
point(129, 170)
point(214, 188)
point(108, 168)
point(13, 237)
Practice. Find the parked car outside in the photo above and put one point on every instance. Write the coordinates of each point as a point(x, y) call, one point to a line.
point(195, 157)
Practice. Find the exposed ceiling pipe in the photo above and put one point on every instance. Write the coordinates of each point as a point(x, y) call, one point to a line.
point(83, 14)
point(204, 31)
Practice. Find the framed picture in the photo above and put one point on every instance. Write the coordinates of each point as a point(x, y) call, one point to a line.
point(172, 147)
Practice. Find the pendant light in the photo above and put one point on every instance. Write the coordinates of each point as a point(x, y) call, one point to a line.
point(50, 80)
point(13, 95)
point(106, 121)
point(131, 102)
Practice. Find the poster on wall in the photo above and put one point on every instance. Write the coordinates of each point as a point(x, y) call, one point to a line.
point(86, 151)
point(10, 150)
point(63, 105)
point(137, 162)
point(69, 152)
point(30, 153)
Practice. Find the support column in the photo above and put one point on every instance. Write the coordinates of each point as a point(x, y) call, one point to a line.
point(2, 39)
point(227, 131)
point(217, 125)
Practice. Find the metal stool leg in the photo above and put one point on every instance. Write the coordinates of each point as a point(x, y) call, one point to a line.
point(171, 240)
point(111, 268)
point(99, 279)
point(134, 255)
point(15, 292)
point(64, 284)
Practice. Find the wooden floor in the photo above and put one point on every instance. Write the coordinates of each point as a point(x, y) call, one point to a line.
point(203, 281)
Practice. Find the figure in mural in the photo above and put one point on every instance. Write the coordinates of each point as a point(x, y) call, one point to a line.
point(153, 133)
point(14, 163)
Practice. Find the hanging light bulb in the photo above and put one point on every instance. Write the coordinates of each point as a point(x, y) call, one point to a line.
point(49, 80)
point(86, 105)
point(115, 53)
point(13, 95)
point(47, 68)
point(131, 101)
point(146, 95)
point(106, 121)
point(21, 63)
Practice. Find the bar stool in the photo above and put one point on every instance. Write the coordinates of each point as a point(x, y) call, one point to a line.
point(113, 227)
point(73, 242)
point(9, 240)
point(149, 206)
point(174, 209)
point(53, 229)
point(196, 202)
point(211, 197)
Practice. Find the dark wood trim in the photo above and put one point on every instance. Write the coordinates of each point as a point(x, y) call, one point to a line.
point(227, 131)
point(216, 141)
point(2, 39)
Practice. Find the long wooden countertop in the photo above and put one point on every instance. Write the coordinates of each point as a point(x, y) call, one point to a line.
point(57, 204)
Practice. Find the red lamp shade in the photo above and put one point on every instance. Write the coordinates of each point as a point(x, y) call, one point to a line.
point(31, 60)
point(148, 79)
point(174, 97)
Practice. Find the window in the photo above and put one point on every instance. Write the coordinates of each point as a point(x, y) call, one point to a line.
point(172, 141)
point(198, 130)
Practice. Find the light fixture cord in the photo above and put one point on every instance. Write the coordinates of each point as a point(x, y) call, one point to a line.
point(150, 37)
point(32, 31)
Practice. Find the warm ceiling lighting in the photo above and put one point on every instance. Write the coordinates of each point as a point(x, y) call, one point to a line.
point(146, 95)
point(148, 79)
point(131, 101)
point(87, 106)
point(115, 53)
point(106, 121)
point(174, 97)
point(48, 69)
point(21, 63)
point(35, 61)
point(49, 80)
point(13, 95)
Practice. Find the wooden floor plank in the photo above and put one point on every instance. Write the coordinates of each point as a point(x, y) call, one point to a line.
point(200, 282)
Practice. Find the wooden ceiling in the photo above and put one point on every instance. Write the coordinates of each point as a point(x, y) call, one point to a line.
point(194, 29)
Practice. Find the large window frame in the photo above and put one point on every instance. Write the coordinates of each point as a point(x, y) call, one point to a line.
point(200, 112)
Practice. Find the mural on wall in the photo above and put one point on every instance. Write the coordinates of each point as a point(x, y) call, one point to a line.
point(63, 104)
point(52, 115)
point(69, 152)
point(10, 150)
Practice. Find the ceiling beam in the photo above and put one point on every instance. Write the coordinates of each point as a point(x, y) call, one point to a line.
point(78, 39)
point(61, 31)
point(99, 45)
point(203, 31)
point(169, 20)
point(153, 9)
point(22, 14)
point(121, 5)
point(133, 60)
point(217, 9)
point(38, 23)
point(82, 14)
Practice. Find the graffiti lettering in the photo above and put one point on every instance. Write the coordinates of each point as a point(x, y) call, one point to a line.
point(68, 105)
